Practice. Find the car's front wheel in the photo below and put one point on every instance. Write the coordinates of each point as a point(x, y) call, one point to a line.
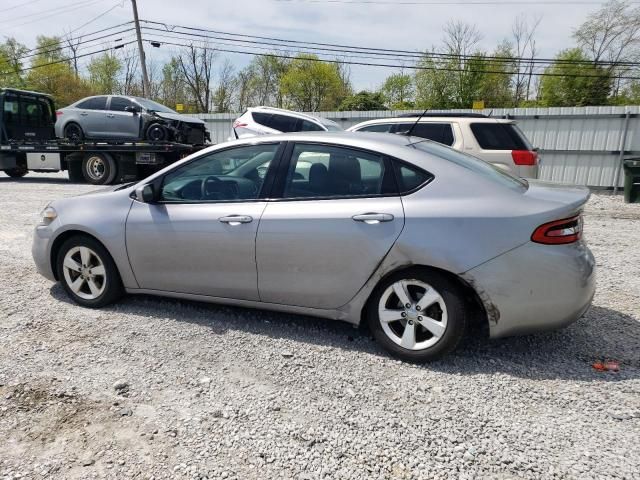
point(157, 133)
point(88, 273)
point(417, 315)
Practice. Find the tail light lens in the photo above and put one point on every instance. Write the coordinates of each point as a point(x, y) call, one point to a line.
point(559, 232)
point(239, 124)
point(524, 157)
point(59, 112)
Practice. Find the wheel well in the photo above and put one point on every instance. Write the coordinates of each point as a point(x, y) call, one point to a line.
point(63, 237)
point(478, 315)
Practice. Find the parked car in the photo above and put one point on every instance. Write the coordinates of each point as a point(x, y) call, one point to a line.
point(269, 120)
point(494, 140)
point(412, 237)
point(114, 117)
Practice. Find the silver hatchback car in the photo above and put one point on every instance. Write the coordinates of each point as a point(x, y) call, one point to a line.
point(409, 236)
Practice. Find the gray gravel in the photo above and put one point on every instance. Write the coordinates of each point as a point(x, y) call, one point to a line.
point(155, 388)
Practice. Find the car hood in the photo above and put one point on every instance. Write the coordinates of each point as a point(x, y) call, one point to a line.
point(179, 118)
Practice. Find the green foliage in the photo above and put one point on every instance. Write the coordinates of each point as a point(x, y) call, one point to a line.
point(11, 52)
point(363, 101)
point(398, 91)
point(103, 73)
point(571, 90)
point(309, 85)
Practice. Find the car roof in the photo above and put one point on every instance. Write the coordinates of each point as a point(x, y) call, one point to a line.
point(291, 113)
point(436, 119)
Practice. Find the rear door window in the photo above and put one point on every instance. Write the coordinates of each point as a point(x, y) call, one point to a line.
point(308, 126)
point(438, 132)
point(284, 124)
point(95, 103)
point(500, 136)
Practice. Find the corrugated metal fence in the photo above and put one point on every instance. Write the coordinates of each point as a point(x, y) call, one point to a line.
point(578, 145)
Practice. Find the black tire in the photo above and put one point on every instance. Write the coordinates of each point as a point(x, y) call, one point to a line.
point(111, 285)
point(74, 171)
point(73, 132)
point(156, 132)
point(99, 168)
point(17, 172)
point(455, 308)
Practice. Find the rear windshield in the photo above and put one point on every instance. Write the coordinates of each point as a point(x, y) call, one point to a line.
point(330, 125)
point(500, 136)
point(474, 164)
point(27, 111)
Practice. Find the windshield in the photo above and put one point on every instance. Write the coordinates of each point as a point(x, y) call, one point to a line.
point(155, 106)
point(474, 164)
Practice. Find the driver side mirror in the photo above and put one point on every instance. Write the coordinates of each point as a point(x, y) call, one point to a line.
point(145, 194)
point(133, 109)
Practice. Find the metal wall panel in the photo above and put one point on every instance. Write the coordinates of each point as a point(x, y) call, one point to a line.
point(579, 145)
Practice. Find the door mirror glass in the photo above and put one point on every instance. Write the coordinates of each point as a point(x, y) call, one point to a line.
point(131, 108)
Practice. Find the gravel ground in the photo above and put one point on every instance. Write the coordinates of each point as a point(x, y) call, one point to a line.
point(155, 388)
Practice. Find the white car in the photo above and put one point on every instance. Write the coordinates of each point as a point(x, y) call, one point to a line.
point(269, 120)
point(497, 141)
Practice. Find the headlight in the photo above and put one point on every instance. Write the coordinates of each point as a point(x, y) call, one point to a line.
point(47, 216)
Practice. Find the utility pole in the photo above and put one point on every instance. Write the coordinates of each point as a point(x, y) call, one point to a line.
point(143, 61)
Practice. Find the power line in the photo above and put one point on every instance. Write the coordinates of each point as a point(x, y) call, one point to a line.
point(389, 51)
point(451, 2)
point(56, 10)
point(19, 5)
point(119, 4)
point(410, 67)
point(66, 60)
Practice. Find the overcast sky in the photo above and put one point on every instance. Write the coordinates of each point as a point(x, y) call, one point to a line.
point(396, 26)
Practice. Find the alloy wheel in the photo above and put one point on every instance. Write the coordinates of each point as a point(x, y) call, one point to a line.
point(412, 314)
point(84, 272)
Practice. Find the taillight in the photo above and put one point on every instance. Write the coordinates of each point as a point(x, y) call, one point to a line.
point(239, 124)
point(59, 112)
point(524, 157)
point(559, 232)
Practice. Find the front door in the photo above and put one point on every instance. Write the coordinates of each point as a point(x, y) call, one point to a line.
point(199, 238)
point(338, 218)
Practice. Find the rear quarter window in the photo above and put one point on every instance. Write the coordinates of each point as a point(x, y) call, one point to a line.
point(499, 136)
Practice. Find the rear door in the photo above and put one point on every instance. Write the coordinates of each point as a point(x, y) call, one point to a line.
point(92, 117)
point(120, 123)
point(338, 216)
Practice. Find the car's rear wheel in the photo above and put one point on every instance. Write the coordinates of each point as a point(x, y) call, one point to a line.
point(17, 172)
point(73, 132)
point(157, 133)
point(88, 273)
point(99, 168)
point(417, 315)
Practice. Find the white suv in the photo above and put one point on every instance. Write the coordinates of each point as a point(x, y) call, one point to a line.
point(493, 140)
point(268, 120)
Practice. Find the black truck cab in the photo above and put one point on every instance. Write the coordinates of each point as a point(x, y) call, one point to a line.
point(26, 116)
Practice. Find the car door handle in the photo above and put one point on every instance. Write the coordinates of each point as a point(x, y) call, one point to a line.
point(84, 114)
point(373, 218)
point(236, 219)
point(110, 115)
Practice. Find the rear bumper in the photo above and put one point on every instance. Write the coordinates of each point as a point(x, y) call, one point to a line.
point(535, 287)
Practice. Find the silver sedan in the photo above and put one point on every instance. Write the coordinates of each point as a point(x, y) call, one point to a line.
point(408, 236)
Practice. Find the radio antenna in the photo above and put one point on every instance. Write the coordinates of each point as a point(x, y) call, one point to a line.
point(410, 131)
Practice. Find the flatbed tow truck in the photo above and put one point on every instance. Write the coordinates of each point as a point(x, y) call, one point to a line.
point(28, 143)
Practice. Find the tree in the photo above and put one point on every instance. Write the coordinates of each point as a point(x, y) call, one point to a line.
point(225, 91)
point(495, 85)
point(172, 85)
point(51, 72)
point(612, 34)
point(103, 73)
point(11, 53)
point(363, 101)
point(524, 43)
point(398, 91)
point(196, 65)
point(577, 83)
point(312, 85)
